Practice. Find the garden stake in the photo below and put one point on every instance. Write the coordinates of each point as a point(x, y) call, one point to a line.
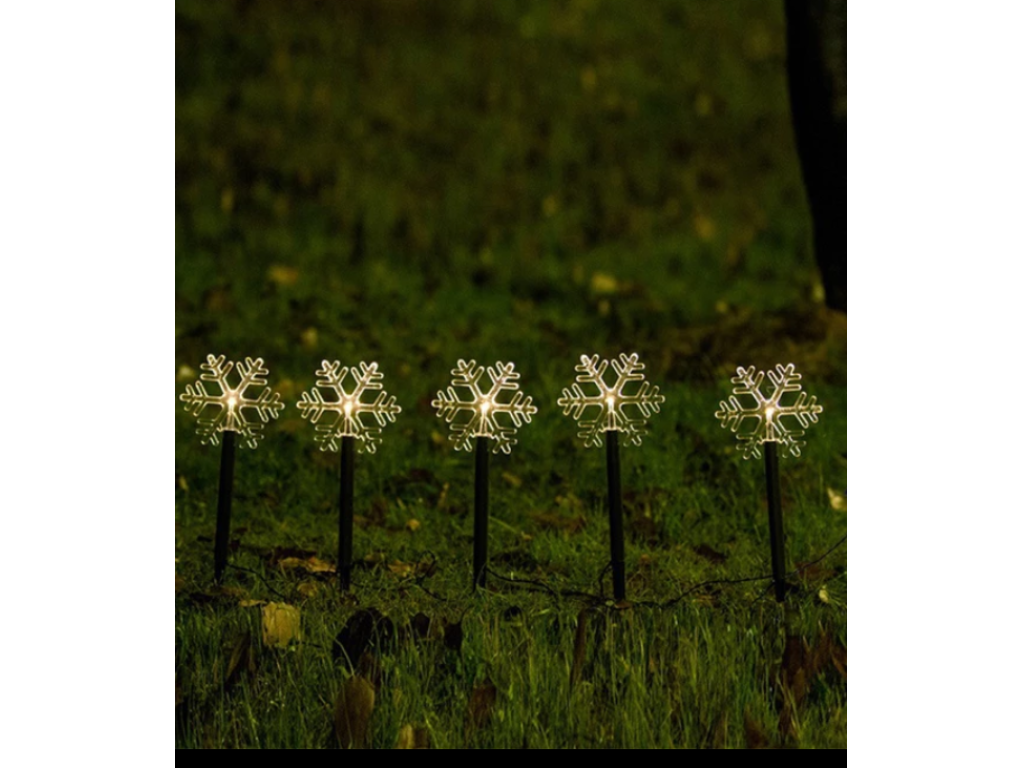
point(345, 429)
point(611, 420)
point(775, 530)
point(232, 415)
point(345, 505)
point(480, 514)
point(227, 481)
point(477, 418)
point(615, 516)
point(758, 420)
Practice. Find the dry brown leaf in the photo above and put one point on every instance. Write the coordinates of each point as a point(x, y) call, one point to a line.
point(281, 624)
point(560, 522)
point(481, 704)
point(352, 712)
point(755, 733)
point(241, 660)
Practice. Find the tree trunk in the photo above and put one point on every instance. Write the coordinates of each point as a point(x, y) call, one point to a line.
point(816, 70)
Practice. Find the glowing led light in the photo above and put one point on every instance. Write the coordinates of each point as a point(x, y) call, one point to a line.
point(348, 407)
point(233, 407)
point(483, 408)
point(611, 400)
point(764, 415)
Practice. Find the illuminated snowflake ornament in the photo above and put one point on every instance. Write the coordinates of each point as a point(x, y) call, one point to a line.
point(762, 419)
point(347, 406)
point(234, 411)
point(479, 415)
point(611, 407)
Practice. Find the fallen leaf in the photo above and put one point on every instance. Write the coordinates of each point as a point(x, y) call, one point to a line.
point(710, 554)
point(481, 704)
point(836, 500)
point(352, 712)
point(412, 524)
point(410, 737)
point(453, 636)
point(283, 275)
point(281, 624)
point(364, 630)
point(241, 659)
point(307, 589)
point(755, 733)
point(309, 337)
point(401, 569)
point(556, 521)
point(603, 283)
point(310, 564)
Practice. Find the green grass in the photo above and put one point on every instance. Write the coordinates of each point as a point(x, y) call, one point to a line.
point(415, 183)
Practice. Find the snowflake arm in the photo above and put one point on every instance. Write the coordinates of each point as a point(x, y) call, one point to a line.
point(480, 413)
point(756, 419)
point(347, 408)
point(610, 407)
point(233, 408)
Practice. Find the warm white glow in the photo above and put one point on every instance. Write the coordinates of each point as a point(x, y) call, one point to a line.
point(759, 419)
point(611, 400)
point(348, 407)
point(484, 408)
point(233, 408)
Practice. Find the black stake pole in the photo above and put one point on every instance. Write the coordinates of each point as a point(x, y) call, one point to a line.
point(346, 500)
point(778, 542)
point(480, 514)
point(227, 481)
point(615, 516)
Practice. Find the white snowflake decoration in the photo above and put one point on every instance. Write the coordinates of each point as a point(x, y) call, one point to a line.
point(767, 413)
point(479, 415)
point(611, 401)
point(348, 406)
point(233, 407)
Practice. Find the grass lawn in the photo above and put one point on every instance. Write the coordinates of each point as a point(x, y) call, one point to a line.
point(414, 183)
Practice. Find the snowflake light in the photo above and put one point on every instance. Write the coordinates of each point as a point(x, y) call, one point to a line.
point(479, 415)
point(234, 409)
point(608, 405)
point(759, 419)
point(348, 407)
